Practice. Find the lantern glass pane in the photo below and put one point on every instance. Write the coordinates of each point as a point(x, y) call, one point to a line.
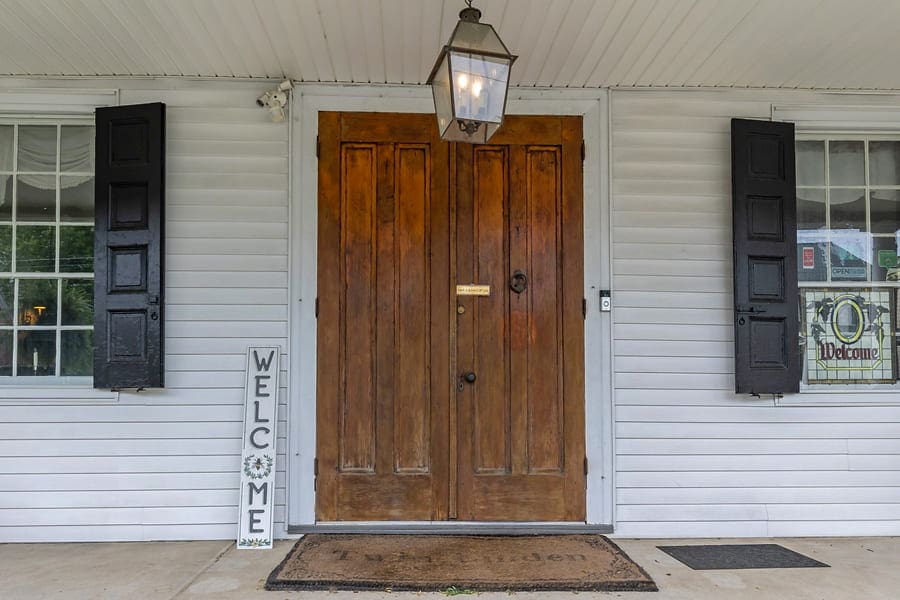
point(489, 130)
point(479, 86)
point(478, 37)
point(440, 89)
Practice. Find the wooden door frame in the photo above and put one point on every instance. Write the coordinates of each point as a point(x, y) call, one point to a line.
point(307, 101)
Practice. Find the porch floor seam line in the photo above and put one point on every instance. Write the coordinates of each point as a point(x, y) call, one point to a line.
point(219, 555)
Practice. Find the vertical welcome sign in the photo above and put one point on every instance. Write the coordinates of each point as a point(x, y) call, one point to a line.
point(258, 455)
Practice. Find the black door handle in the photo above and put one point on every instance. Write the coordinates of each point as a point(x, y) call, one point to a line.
point(468, 377)
point(518, 282)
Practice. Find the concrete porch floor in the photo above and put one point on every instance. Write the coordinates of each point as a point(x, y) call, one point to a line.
point(861, 568)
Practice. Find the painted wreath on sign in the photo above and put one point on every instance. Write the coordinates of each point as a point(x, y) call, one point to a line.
point(258, 467)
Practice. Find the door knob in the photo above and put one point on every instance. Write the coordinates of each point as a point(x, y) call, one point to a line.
point(468, 377)
point(518, 282)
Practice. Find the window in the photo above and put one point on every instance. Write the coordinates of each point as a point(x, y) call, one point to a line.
point(848, 235)
point(46, 248)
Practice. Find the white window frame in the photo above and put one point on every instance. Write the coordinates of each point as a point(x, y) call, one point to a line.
point(56, 274)
point(892, 388)
point(31, 104)
point(842, 122)
point(866, 187)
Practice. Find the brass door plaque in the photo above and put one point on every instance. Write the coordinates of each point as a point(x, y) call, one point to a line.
point(473, 290)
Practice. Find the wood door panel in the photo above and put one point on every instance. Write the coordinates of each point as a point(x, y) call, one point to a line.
point(543, 344)
point(356, 395)
point(520, 498)
point(572, 267)
point(412, 364)
point(382, 403)
point(386, 498)
point(521, 423)
point(490, 397)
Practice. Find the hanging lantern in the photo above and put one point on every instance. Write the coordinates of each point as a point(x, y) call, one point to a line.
point(470, 80)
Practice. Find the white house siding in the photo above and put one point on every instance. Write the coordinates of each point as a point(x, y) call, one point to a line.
point(164, 464)
point(693, 458)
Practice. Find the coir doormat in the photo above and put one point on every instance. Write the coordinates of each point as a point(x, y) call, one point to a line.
point(444, 562)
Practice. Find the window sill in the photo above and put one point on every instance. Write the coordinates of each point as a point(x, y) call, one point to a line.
point(53, 391)
point(878, 394)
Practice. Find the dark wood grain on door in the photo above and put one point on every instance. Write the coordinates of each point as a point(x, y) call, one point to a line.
point(384, 322)
point(403, 218)
point(521, 423)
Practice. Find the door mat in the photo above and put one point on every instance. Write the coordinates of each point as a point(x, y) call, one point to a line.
point(739, 556)
point(457, 563)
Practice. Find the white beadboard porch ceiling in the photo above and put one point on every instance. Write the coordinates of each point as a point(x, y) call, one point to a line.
point(833, 44)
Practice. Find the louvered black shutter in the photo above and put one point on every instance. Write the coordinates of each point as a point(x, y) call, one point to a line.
point(128, 246)
point(766, 320)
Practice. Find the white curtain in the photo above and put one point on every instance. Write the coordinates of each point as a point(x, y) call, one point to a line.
point(37, 152)
point(847, 163)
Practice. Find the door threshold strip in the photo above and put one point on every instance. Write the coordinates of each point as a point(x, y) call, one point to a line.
point(450, 528)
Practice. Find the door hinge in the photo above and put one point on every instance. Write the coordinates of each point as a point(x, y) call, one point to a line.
point(315, 473)
point(319, 147)
point(583, 151)
point(585, 465)
point(317, 308)
point(584, 307)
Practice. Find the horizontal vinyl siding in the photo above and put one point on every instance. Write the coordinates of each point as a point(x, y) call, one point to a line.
point(692, 458)
point(164, 464)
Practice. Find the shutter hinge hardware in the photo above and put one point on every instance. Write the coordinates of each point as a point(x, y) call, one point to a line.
point(583, 151)
point(315, 473)
point(584, 307)
point(585, 465)
point(318, 146)
point(317, 308)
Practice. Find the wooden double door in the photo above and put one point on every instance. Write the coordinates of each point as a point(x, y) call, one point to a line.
point(434, 404)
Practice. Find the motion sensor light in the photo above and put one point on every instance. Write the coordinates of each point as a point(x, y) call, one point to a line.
point(276, 100)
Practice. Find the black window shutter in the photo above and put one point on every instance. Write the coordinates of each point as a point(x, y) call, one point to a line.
point(766, 320)
point(129, 208)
